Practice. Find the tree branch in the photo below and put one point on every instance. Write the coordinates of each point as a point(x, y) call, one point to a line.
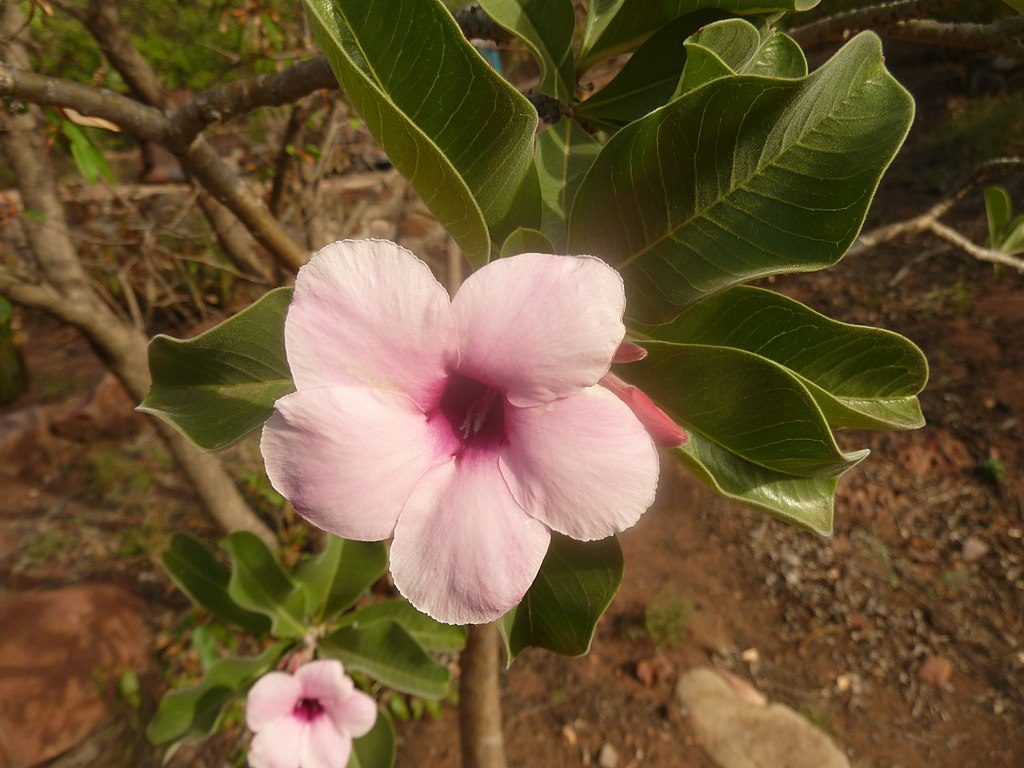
point(928, 222)
point(905, 20)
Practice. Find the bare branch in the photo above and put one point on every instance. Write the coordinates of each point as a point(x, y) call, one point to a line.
point(144, 122)
point(216, 105)
point(905, 20)
point(928, 222)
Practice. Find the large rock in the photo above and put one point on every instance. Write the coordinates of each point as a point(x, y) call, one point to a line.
point(737, 732)
point(57, 649)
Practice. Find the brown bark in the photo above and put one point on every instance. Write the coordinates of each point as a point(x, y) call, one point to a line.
point(66, 292)
point(907, 20)
point(480, 725)
point(103, 19)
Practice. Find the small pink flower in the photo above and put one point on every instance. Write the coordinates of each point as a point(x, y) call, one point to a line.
point(465, 429)
point(307, 719)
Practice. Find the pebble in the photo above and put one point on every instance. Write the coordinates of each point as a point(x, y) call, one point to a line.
point(608, 757)
point(974, 549)
point(935, 670)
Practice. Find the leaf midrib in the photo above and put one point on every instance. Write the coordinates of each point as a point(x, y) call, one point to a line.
point(699, 213)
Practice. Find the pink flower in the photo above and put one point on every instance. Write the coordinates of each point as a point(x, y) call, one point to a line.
point(465, 429)
point(308, 719)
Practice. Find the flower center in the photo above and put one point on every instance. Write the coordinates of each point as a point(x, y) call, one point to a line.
point(475, 413)
point(308, 709)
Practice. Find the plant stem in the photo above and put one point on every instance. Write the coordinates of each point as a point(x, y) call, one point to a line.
point(483, 743)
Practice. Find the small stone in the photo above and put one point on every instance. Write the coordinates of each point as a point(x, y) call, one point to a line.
point(608, 756)
point(751, 656)
point(844, 683)
point(652, 671)
point(743, 689)
point(738, 734)
point(935, 670)
point(569, 734)
point(974, 549)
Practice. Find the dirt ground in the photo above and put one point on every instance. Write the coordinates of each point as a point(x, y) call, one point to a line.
point(926, 564)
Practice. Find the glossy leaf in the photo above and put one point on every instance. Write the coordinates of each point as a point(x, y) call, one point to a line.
point(377, 748)
point(998, 210)
point(574, 587)
point(1006, 232)
point(220, 385)
point(87, 156)
point(525, 240)
point(259, 584)
point(546, 26)
point(193, 713)
point(807, 502)
point(565, 153)
point(616, 26)
point(860, 377)
point(201, 576)
point(743, 177)
point(746, 403)
point(431, 635)
point(735, 46)
point(451, 125)
point(389, 654)
point(361, 564)
point(338, 575)
point(649, 78)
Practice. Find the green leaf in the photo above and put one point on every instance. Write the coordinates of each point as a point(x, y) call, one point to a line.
point(807, 502)
point(377, 748)
point(1013, 240)
point(219, 386)
point(746, 403)
point(87, 156)
point(860, 377)
point(735, 46)
point(198, 573)
point(650, 76)
point(259, 584)
point(336, 577)
point(193, 713)
point(616, 26)
point(743, 177)
point(560, 611)
point(389, 654)
point(546, 26)
point(565, 153)
point(998, 210)
point(431, 635)
point(525, 240)
point(451, 125)
point(362, 564)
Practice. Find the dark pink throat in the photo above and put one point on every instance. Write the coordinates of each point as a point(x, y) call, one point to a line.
point(308, 709)
point(473, 412)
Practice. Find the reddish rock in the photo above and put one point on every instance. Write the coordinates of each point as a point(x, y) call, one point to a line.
point(108, 411)
point(935, 670)
point(57, 648)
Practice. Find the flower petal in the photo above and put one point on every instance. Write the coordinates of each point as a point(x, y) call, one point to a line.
point(583, 465)
point(279, 745)
point(355, 713)
point(539, 326)
point(659, 425)
point(324, 680)
point(347, 457)
point(273, 696)
point(370, 313)
point(326, 745)
point(464, 551)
